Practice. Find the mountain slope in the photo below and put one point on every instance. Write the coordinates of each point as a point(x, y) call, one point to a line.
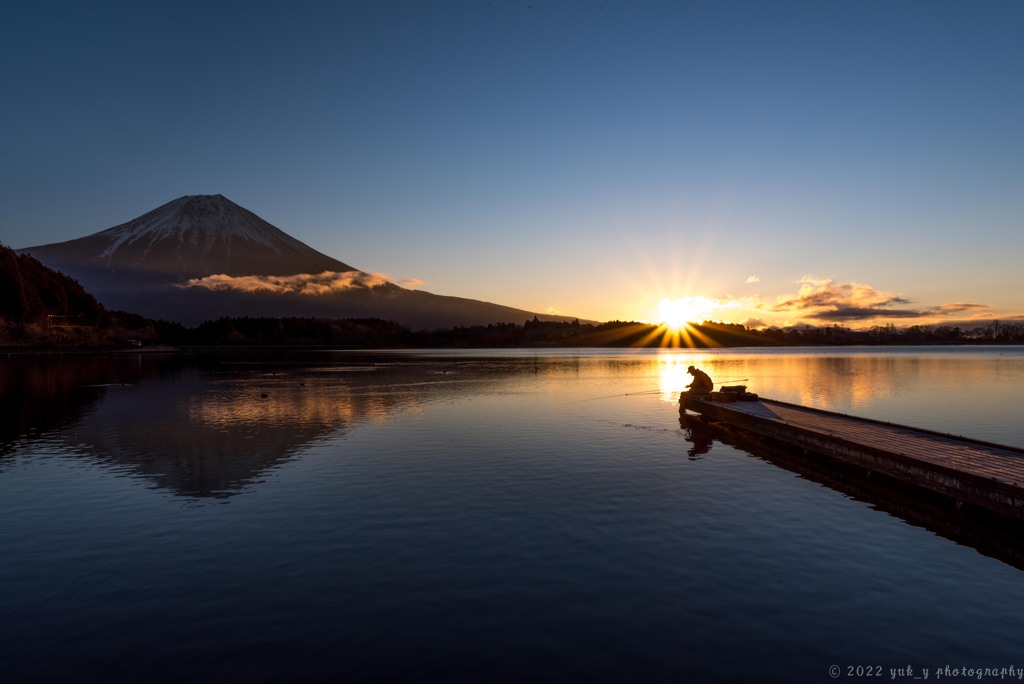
point(191, 237)
point(201, 257)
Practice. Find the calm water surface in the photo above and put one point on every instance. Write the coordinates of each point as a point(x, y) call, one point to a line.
point(481, 517)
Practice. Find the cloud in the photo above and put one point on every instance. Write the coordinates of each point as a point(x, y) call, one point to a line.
point(300, 283)
point(856, 313)
point(752, 279)
point(821, 296)
point(554, 311)
point(960, 307)
point(824, 300)
point(754, 323)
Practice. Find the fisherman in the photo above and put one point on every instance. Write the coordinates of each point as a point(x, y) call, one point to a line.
point(701, 382)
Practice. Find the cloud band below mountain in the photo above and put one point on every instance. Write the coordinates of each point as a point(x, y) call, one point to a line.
point(312, 284)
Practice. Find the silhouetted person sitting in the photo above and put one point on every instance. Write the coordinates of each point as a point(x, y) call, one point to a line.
point(701, 382)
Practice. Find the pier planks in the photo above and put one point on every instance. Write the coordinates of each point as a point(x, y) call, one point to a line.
point(983, 474)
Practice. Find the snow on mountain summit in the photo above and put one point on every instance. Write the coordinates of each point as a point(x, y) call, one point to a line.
point(194, 236)
point(198, 220)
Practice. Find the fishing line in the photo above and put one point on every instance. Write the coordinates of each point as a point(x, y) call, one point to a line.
point(655, 391)
point(611, 396)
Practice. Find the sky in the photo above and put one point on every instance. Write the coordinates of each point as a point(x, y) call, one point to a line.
point(769, 163)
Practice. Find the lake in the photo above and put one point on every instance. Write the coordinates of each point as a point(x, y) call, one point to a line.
point(485, 516)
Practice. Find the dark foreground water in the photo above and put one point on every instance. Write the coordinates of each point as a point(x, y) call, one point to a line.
point(463, 517)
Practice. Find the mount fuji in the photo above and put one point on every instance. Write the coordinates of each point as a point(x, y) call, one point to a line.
point(201, 257)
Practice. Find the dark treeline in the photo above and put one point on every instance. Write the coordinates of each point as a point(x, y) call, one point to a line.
point(372, 332)
point(27, 288)
point(40, 307)
point(992, 332)
point(119, 329)
point(378, 333)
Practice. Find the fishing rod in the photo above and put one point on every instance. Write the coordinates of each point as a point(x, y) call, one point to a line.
point(654, 391)
point(627, 394)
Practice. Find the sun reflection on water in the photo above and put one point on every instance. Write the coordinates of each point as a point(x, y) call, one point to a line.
point(672, 376)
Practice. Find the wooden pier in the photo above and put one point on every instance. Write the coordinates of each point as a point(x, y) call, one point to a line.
point(990, 476)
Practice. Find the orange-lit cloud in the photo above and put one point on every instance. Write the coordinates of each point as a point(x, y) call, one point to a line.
point(752, 279)
point(959, 307)
point(824, 300)
point(300, 283)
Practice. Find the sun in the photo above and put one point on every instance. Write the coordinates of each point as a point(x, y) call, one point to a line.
point(675, 314)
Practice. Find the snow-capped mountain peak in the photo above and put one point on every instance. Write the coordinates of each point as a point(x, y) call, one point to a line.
point(198, 221)
point(195, 236)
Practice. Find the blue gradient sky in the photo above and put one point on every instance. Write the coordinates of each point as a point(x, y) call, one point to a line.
point(851, 162)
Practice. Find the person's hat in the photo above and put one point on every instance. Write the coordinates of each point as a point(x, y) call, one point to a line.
point(691, 368)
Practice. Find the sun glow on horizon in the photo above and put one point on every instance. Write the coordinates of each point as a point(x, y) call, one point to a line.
point(677, 314)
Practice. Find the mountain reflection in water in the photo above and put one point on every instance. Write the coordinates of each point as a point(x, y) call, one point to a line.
point(459, 516)
point(207, 427)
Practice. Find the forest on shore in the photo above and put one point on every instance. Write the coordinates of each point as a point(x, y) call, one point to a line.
point(44, 309)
